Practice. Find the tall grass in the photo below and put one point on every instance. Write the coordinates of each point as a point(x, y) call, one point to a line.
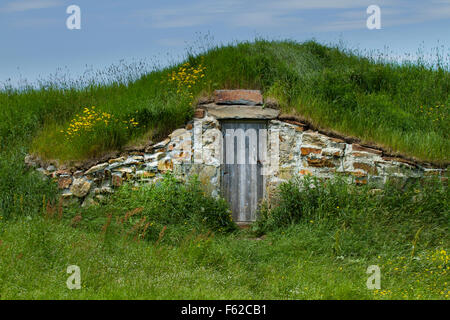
point(170, 206)
point(321, 242)
point(403, 107)
point(363, 221)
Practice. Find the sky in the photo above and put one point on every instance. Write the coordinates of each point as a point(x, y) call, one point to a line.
point(35, 41)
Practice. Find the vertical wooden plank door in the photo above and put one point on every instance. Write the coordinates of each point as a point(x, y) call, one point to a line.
point(244, 148)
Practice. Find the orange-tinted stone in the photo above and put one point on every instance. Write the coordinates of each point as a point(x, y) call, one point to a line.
point(306, 151)
point(64, 182)
point(320, 163)
point(305, 172)
point(247, 97)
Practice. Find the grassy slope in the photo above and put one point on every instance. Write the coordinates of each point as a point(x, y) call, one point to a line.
point(319, 247)
point(324, 255)
point(403, 108)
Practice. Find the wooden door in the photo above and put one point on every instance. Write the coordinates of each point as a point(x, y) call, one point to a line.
point(244, 148)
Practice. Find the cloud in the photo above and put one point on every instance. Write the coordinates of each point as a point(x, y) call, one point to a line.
point(26, 5)
point(311, 15)
point(37, 22)
point(320, 4)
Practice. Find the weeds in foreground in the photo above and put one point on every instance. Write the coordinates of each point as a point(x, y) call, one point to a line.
point(183, 255)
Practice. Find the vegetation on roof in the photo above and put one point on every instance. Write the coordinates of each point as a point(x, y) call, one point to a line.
point(404, 108)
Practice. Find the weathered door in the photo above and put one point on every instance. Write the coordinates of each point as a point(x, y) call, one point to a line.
point(244, 148)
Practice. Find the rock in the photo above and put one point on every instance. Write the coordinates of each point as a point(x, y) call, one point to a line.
point(97, 168)
point(320, 163)
point(306, 151)
point(66, 194)
point(242, 112)
point(432, 172)
point(305, 172)
point(313, 138)
point(177, 133)
point(363, 154)
point(361, 181)
point(297, 124)
point(130, 161)
point(165, 165)
point(357, 147)
point(117, 180)
point(60, 172)
point(161, 144)
point(145, 174)
point(100, 198)
point(332, 152)
point(155, 156)
point(124, 170)
point(64, 182)
point(243, 97)
point(121, 159)
point(68, 199)
point(80, 187)
point(152, 166)
point(358, 174)
point(43, 171)
point(396, 159)
point(106, 190)
point(78, 174)
point(199, 113)
point(51, 168)
point(182, 156)
point(285, 174)
point(30, 161)
point(366, 167)
point(114, 165)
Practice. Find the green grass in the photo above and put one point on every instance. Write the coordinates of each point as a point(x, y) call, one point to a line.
point(314, 256)
point(404, 108)
point(310, 249)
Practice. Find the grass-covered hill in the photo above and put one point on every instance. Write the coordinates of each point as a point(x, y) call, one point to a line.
point(403, 108)
point(172, 241)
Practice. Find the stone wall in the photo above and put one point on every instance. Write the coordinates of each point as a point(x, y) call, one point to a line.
point(197, 148)
point(307, 152)
point(194, 149)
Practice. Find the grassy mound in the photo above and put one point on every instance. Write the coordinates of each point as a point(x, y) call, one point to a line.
point(318, 242)
point(404, 108)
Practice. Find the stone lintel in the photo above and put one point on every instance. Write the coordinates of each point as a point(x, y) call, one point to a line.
point(222, 112)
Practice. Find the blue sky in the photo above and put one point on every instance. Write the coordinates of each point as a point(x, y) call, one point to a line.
point(35, 40)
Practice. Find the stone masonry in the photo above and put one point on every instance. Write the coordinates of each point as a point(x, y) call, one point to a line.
point(197, 148)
